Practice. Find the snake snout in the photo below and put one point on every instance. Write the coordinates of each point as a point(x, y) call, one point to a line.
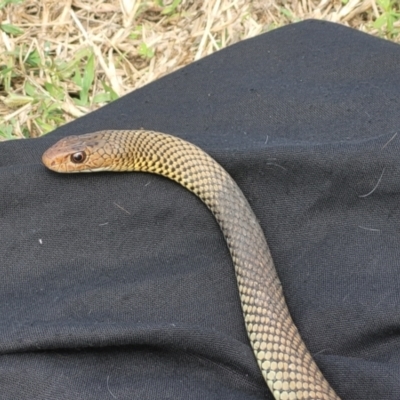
point(60, 160)
point(49, 160)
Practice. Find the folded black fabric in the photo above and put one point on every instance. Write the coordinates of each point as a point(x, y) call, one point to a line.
point(120, 286)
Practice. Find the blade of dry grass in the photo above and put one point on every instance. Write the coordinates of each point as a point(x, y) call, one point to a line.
point(60, 60)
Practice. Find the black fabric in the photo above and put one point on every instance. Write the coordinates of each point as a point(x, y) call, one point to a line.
point(120, 286)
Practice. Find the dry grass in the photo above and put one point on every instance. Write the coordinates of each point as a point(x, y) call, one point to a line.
point(62, 59)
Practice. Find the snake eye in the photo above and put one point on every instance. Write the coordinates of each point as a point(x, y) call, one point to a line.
point(78, 157)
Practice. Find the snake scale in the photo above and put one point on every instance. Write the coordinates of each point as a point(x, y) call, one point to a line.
point(285, 363)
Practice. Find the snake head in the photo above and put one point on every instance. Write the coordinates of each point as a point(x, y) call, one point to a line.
point(85, 153)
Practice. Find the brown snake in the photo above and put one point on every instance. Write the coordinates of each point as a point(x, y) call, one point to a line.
point(286, 364)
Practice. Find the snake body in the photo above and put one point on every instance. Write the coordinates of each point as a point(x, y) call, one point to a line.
point(285, 363)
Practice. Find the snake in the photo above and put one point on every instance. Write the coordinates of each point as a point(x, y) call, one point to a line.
point(286, 364)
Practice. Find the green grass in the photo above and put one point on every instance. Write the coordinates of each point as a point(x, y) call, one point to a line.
point(48, 79)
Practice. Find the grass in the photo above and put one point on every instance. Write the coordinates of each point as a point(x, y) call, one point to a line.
point(61, 60)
